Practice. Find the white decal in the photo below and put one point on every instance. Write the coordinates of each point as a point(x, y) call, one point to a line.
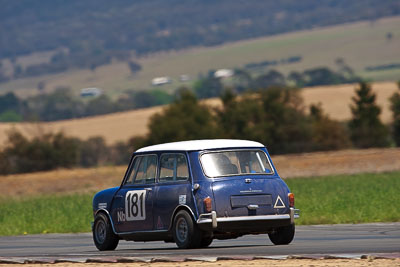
point(182, 199)
point(121, 216)
point(135, 209)
point(279, 203)
point(102, 205)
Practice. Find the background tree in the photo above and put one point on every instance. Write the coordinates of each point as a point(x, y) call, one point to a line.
point(327, 134)
point(121, 153)
point(11, 108)
point(184, 119)
point(100, 105)
point(61, 104)
point(345, 70)
point(8, 102)
point(285, 123)
point(3, 76)
point(274, 117)
point(94, 152)
point(208, 87)
point(322, 76)
point(242, 80)
point(45, 152)
point(240, 117)
point(366, 129)
point(395, 107)
point(144, 99)
point(297, 78)
point(271, 78)
point(134, 67)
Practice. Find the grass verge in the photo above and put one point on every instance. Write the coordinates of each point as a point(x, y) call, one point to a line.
point(46, 214)
point(358, 198)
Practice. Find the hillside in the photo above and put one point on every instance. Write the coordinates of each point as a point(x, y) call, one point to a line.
point(335, 101)
point(360, 44)
point(95, 27)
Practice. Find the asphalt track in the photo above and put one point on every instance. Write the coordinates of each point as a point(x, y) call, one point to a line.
point(351, 239)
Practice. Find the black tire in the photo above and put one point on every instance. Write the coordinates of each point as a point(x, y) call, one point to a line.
point(206, 241)
point(283, 235)
point(103, 235)
point(185, 232)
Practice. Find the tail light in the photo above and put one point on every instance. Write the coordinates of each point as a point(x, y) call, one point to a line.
point(208, 204)
point(291, 200)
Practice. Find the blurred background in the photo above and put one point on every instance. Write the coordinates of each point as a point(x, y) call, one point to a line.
point(85, 83)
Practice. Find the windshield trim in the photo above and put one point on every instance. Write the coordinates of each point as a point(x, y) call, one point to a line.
point(234, 150)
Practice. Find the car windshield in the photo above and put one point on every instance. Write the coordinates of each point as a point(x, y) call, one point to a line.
point(237, 162)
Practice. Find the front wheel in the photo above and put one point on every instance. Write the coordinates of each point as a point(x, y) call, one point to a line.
point(282, 235)
point(185, 231)
point(103, 236)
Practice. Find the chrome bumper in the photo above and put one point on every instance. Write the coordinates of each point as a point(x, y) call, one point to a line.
point(212, 217)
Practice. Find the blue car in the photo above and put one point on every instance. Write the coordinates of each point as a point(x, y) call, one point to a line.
point(192, 192)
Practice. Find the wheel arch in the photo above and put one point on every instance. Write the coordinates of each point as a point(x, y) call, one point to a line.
point(178, 209)
point(107, 214)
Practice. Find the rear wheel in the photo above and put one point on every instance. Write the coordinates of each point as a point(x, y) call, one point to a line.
point(103, 236)
point(206, 241)
point(185, 231)
point(282, 235)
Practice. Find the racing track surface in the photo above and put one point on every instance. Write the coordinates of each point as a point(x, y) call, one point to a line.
point(357, 239)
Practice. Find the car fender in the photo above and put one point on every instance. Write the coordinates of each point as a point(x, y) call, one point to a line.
point(109, 218)
point(177, 209)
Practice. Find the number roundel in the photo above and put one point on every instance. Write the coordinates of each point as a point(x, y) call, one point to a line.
point(135, 205)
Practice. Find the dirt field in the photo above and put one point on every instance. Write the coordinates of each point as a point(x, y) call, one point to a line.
point(336, 100)
point(121, 126)
point(238, 263)
point(288, 166)
point(338, 162)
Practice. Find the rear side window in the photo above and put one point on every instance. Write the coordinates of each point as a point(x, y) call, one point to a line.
point(238, 162)
point(173, 167)
point(144, 170)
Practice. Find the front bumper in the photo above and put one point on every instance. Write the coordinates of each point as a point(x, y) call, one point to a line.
point(211, 218)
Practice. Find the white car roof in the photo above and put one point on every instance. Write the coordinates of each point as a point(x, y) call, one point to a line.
point(201, 145)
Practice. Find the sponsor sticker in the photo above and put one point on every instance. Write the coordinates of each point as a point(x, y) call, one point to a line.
point(182, 199)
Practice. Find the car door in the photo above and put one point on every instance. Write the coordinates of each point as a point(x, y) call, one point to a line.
point(173, 188)
point(133, 203)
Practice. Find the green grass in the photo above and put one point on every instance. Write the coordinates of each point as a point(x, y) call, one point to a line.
point(358, 198)
point(47, 214)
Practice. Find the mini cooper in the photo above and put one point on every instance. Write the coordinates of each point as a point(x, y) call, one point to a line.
point(192, 192)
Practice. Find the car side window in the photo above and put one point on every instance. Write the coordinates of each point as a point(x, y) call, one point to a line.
point(173, 167)
point(144, 170)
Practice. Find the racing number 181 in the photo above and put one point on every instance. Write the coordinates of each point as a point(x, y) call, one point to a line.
point(135, 209)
